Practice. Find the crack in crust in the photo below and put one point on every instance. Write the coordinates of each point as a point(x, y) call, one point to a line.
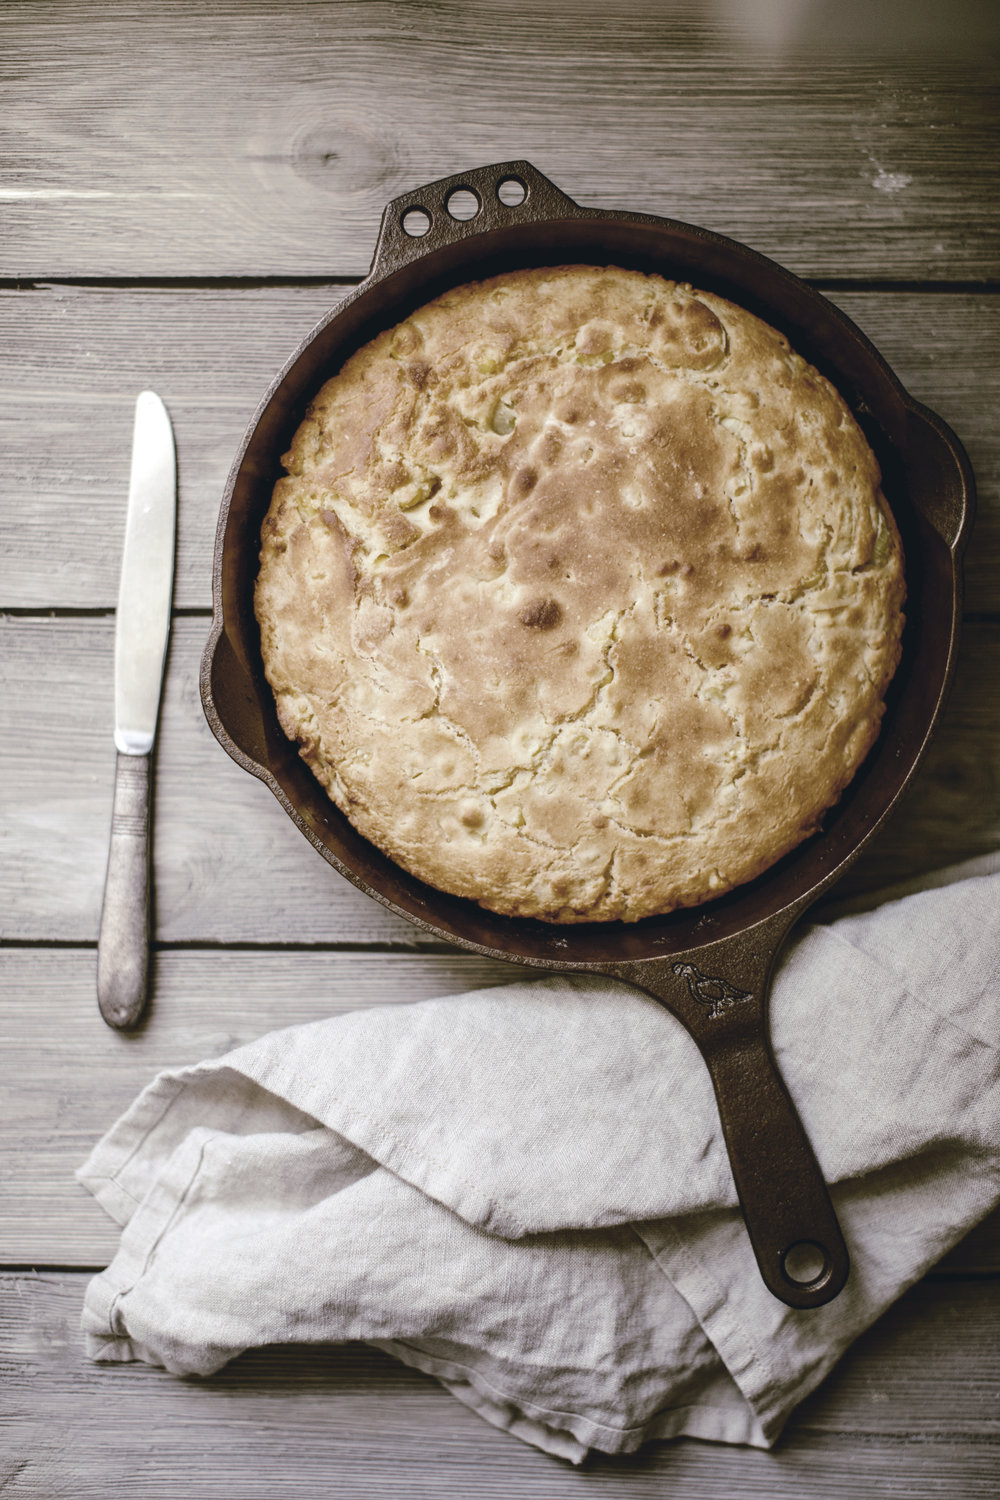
point(580, 595)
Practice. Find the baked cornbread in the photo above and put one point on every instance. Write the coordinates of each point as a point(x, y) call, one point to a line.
point(580, 595)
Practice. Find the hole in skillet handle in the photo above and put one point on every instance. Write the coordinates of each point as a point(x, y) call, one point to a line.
point(416, 222)
point(806, 1264)
point(463, 203)
point(511, 191)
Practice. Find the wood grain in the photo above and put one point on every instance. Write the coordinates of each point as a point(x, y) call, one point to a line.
point(68, 1077)
point(203, 180)
point(231, 867)
point(77, 356)
point(251, 139)
point(350, 1421)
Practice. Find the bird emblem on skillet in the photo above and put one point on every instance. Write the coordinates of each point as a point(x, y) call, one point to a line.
point(708, 990)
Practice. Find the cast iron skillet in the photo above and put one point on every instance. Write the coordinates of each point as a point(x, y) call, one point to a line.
point(710, 966)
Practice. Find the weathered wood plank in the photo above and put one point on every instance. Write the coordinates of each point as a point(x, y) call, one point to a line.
point(76, 357)
point(237, 139)
point(54, 1046)
point(231, 867)
point(910, 1410)
point(204, 1003)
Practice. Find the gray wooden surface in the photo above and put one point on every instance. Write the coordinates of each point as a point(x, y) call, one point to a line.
point(185, 189)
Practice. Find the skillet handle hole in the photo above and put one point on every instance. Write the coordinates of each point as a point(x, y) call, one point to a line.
point(462, 203)
point(511, 191)
point(416, 222)
point(806, 1264)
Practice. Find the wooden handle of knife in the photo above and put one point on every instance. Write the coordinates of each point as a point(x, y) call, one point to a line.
point(123, 942)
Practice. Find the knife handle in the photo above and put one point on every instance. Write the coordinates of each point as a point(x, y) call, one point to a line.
point(123, 941)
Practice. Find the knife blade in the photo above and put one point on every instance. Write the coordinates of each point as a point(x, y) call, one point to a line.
point(142, 630)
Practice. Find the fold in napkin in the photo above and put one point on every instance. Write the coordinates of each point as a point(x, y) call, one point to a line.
point(524, 1191)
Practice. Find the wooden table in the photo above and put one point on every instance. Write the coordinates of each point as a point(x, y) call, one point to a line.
point(186, 188)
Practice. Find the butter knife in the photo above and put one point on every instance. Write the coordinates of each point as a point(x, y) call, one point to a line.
point(142, 629)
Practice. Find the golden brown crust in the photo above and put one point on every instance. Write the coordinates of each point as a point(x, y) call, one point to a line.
point(580, 596)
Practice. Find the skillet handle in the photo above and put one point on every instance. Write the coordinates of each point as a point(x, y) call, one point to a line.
point(232, 703)
point(425, 219)
point(786, 1204)
point(939, 476)
point(790, 1218)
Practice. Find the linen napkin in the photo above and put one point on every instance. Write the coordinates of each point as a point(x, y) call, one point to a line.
point(524, 1190)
